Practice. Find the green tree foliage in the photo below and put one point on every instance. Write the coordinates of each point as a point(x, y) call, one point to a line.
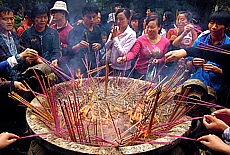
point(202, 7)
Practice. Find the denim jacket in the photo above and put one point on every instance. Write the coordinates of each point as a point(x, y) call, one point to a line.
point(4, 51)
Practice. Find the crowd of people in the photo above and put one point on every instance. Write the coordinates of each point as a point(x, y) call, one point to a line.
point(136, 47)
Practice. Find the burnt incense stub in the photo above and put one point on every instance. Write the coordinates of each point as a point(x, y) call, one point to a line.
point(83, 120)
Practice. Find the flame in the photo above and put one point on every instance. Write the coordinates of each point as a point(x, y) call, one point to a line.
point(93, 116)
point(84, 110)
point(78, 72)
point(135, 115)
point(106, 113)
point(79, 76)
point(91, 97)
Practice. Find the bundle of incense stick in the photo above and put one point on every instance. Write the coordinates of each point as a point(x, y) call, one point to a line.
point(106, 73)
point(212, 48)
point(97, 69)
point(87, 40)
point(51, 19)
point(50, 63)
point(199, 102)
point(153, 111)
point(68, 120)
point(34, 109)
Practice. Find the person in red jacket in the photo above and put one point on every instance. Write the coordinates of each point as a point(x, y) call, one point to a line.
point(26, 23)
point(60, 15)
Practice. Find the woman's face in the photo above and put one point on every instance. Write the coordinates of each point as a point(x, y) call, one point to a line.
point(152, 28)
point(182, 20)
point(134, 24)
point(148, 12)
point(144, 24)
point(122, 21)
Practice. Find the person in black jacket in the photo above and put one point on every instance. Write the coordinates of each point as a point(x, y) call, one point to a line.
point(85, 40)
point(40, 37)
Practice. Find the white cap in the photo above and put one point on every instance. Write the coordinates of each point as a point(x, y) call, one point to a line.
point(60, 5)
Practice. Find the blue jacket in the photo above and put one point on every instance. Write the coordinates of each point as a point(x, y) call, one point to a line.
point(211, 79)
point(4, 68)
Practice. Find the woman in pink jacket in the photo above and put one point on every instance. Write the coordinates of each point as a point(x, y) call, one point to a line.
point(150, 48)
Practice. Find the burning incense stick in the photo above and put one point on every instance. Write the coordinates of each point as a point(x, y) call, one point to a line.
point(153, 112)
point(213, 48)
point(51, 19)
point(36, 135)
point(87, 40)
point(106, 73)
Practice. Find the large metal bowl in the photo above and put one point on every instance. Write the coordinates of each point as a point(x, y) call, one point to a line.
point(62, 146)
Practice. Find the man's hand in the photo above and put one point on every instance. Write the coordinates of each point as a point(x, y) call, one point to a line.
point(83, 44)
point(214, 124)
point(215, 143)
point(212, 68)
point(7, 139)
point(30, 60)
point(96, 46)
point(175, 55)
point(198, 62)
point(19, 86)
point(222, 111)
point(55, 62)
point(29, 53)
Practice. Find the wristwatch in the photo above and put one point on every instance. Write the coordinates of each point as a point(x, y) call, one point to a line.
point(18, 57)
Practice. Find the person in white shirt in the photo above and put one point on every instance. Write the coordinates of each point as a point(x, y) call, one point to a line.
point(111, 16)
point(120, 41)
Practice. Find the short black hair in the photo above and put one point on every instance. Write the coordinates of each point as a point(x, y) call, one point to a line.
point(77, 17)
point(18, 7)
point(27, 13)
point(126, 12)
point(6, 10)
point(221, 17)
point(39, 9)
point(90, 7)
point(139, 17)
point(155, 16)
point(151, 8)
point(169, 17)
point(188, 15)
point(117, 4)
point(103, 33)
